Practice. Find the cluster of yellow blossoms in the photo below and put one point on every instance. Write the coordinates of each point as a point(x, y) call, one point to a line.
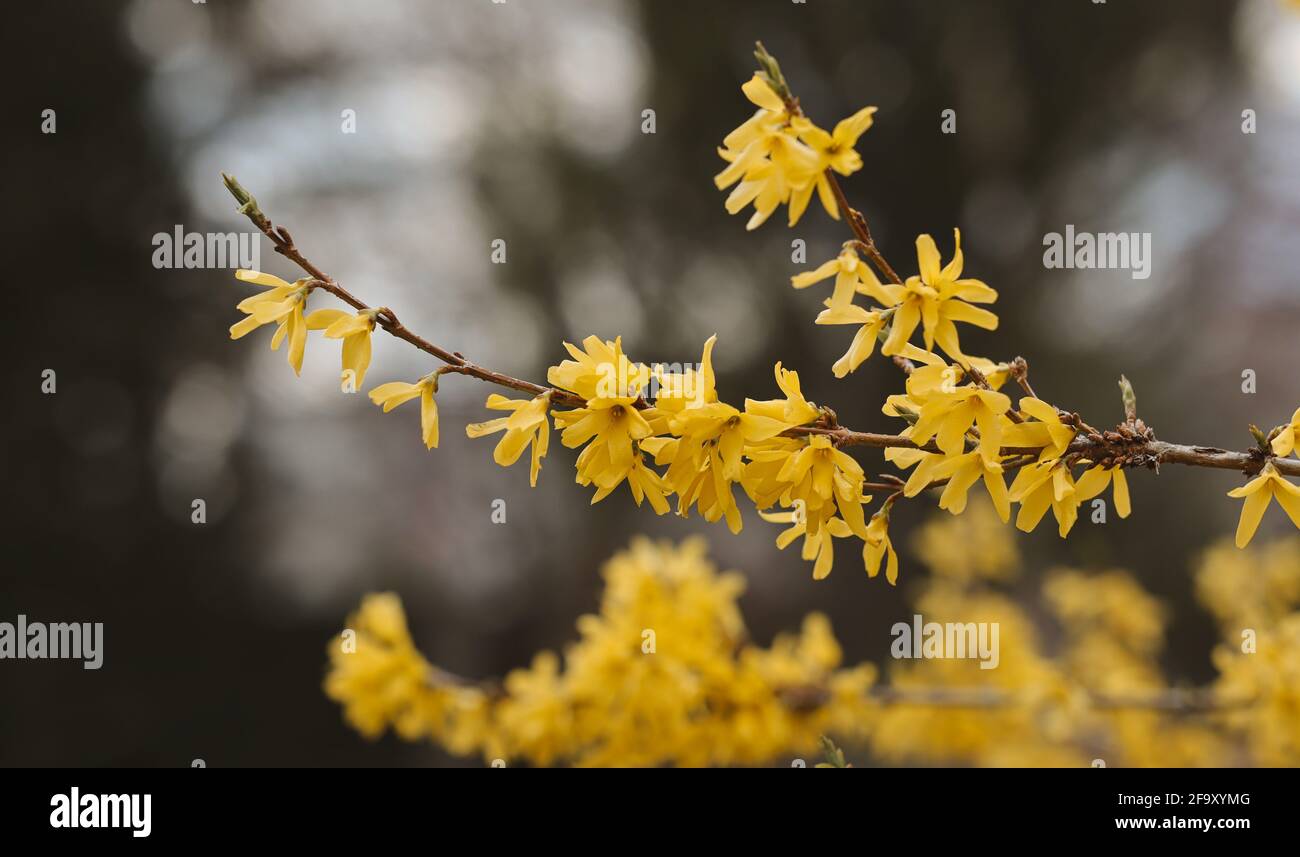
point(956, 409)
point(955, 406)
point(779, 157)
point(664, 673)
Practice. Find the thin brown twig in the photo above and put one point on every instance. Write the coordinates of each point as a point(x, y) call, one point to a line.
point(861, 231)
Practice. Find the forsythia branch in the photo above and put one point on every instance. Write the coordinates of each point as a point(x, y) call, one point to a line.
point(1153, 452)
point(961, 430)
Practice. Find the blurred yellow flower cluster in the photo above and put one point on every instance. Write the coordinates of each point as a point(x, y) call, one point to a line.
point(383, 682)
point(1255, 597)
point(665, 674)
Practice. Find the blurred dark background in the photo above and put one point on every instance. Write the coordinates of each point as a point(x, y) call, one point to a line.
point(522, 121)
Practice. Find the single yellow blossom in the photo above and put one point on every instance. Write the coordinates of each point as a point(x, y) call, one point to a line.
point(1257, 492)
point(864, 341)
point(1094, 481)
point(837, 146)
point(594, 467)
point(602, 371)
point(1045, 430)
point(834, 151)
point(612, 426)
point(961, 471)
point(878, 545)
point(395, 393)
point(790, 168)
point(794, 409)
point(709, 490)
point(1285, 441)
point(852, 277)
point(817, 544)
point(747, 146)
point(527, 425)
point(765, 462)
point(355, 332)
point(937, 299)
point(689, 388)
point(719, 426)
point(825, 479)
point(644, 482)
point(948, 413)
point(282, 303)
point(1042, 485)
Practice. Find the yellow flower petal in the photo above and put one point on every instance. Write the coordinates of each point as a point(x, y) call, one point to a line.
point(1252, 511)
point(1120, 483)
point(927, 258)
point(757, 91)
point(323, 318)
point(428, 417)
point(394, 393)
point(258, 278)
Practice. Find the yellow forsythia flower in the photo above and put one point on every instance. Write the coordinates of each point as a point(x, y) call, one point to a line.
point(282, 303)
point(864, 341)
point(937, 299)
point(877, 545)
point(722, 426)
point(1095, 480)
point(690, 387)
point(816, 482)
point(948, 413)
point(1285, 442)
point(825, 480)
point(852, 277)
point(528, 424)
point(602, 371)
point(395, 393)
point(837, 147)
point(612, 425)
point(355, 332)
point(1042, 485)
point(794, 409)
point(817, 547)
point(962, 471)
point(1045, 430)
point(1257, 492)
